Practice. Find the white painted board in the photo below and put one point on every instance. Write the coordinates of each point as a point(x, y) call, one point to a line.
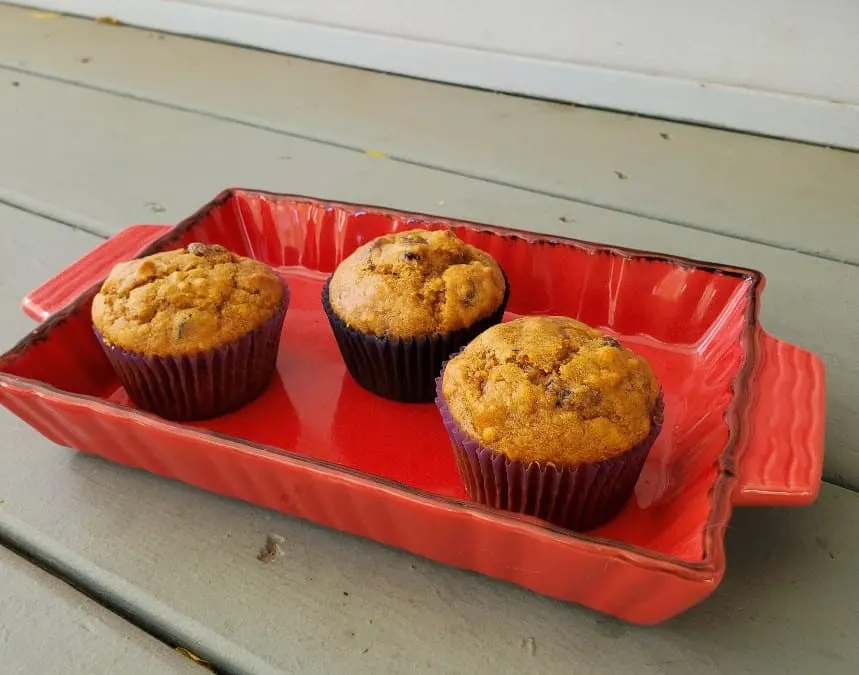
point(781, 67)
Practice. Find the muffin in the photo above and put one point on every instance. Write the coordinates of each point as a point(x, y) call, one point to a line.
point(191, 333)
point(402, 304)
point(550, 418)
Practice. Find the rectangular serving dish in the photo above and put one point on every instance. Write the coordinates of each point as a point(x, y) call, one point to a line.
point(744, 411)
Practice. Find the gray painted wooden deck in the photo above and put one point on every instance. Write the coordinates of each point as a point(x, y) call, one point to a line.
point(104, 126)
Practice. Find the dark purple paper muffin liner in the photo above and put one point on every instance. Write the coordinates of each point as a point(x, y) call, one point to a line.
point(205, 385)
point(402, 369)
point(579, 498)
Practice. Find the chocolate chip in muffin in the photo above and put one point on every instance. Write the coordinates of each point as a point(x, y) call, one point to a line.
point(610, 341)
point(470, 294)
point(589, 398)
point(563, 395)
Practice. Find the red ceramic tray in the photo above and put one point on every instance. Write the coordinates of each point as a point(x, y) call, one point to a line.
point(744, 411)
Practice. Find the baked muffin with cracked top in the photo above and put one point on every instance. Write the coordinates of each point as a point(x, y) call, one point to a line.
point(401, 304)
point(191, 333)
point(550, 418)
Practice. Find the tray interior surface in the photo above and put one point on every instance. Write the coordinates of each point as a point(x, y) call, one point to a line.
point(687, 320)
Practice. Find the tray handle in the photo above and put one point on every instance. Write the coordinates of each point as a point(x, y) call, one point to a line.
point(782, 434)
point(61, 289)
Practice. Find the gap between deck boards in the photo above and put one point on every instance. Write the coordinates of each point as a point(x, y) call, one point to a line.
point(155, 619)
point(248, 123)
point(158, 634)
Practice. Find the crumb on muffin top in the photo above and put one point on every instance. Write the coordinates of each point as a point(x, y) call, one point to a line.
point(415, 283)
point(185, 301)
point(551, 390)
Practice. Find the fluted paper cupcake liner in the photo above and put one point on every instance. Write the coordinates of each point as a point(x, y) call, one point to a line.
point(402, 369)
point(578, 498)
point(205, 385)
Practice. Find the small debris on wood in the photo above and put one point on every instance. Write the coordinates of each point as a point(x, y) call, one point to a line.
point(610, 627)
point(346, 593)
point(108, 21)
point(85, 59)
point(567, 219)
point(664, 136)
point(272, 550)
point(621, 175)
point(529, 644)
point(155, 207)
point(187, 653)
point(365, 650)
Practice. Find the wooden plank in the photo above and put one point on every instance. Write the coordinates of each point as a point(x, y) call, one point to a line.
point(106, 161)
point(32, 250)
point(48, 627)
point(790, 195)
point(609, 57)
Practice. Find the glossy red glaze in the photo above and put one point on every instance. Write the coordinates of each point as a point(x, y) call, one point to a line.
point(744, 412)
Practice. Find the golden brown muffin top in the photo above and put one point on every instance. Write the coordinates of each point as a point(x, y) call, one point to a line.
point(414, 283)
point(551, 390)
point(186, 301)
